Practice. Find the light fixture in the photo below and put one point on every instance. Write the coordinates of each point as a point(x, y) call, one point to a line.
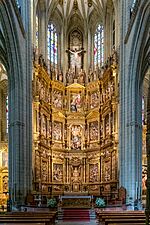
point(89, 3)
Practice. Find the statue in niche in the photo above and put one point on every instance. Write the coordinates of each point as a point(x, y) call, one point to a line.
point(94, 173)
point(107, 171)
point(4, 159)
point(70, 76)
point(107, 127)
point(37, 166)
point(93, 131)
point(38, 86)
point(60, 77)
point(81, 77)
point(104, 96)
point(48, 96)
point(43, 125)
point(5, 184)
point(49, 129)
point(42, 92)
point(57, 99)
point(94, 100)
point(44, 171)
point(57, 131)
point(58, 172)
point(144, 180)
point(76, 175)
point(76, 137)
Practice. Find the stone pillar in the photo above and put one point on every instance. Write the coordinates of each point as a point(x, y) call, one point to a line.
point(89, 53)
point(42, 34)
point(130, 142)
point(86, 48)
point(64, 55)
point(20, 102)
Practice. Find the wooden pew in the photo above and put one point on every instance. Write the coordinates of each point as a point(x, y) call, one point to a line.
point(29, 217)
point(127, 215)
point(123, 221)
point(25, 220)
point(126, 223)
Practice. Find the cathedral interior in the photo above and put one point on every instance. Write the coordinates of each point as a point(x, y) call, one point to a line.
point(74, 114)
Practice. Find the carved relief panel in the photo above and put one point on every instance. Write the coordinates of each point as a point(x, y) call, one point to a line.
point(57, 99)
point(37, 167)
point(44, 171)
point(94, 100)
point(57, 173)
point(76, 137)
point(4, 162)
point(76, 102)
point(43, 125)
point(57, 131)
point(93, 131)
point(114, 166)
point(106, 170)
point(93, 128)
point(107, 125)
point(93, 173)
point(5, 184)
point(75, 98)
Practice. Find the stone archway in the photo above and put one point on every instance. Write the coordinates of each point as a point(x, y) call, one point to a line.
point(15, 58)
point(130, 153)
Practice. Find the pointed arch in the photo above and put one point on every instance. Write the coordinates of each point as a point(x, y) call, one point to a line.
point(14, 57)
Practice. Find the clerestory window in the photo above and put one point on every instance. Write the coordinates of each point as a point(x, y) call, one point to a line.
point(99, 47)
point(52, 41)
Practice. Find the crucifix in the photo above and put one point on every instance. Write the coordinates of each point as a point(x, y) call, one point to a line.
point(77, 61)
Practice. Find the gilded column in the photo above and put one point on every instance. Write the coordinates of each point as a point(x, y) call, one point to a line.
point(147, 211)
point(109, 123)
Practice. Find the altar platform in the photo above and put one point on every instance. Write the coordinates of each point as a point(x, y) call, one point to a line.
point(76, 201)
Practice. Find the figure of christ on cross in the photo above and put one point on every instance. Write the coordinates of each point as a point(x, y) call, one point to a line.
point(76, 60)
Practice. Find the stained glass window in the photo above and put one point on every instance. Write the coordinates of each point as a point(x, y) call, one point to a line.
point(99, 47)
point(19, 7)
point(52, 40)
point(132, 6)
point(113, 34)
point(7, 115)
point(143, 111)
point(37, 32)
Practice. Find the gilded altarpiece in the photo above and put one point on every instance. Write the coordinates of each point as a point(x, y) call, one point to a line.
point(3, 173)
point(75, 131)
point(75, 135)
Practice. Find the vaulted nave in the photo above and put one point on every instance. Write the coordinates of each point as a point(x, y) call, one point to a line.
point(74, 111)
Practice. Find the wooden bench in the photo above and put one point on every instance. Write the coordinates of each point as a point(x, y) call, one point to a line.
point(131, 216)
point(25, 220)
point(29, 217)
point(128, 223)
point(123, 221)
point(126, 213)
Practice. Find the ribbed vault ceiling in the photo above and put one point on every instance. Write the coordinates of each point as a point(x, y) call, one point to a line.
point(68, 7)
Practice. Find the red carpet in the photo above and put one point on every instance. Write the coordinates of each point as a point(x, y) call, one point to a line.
point(76, 215)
